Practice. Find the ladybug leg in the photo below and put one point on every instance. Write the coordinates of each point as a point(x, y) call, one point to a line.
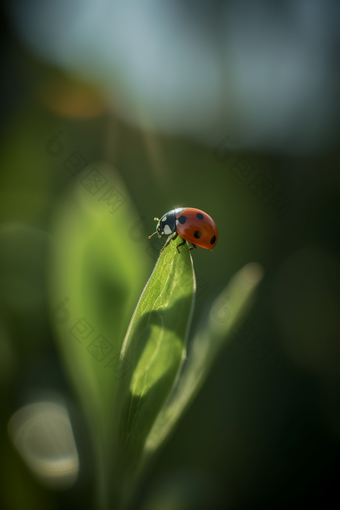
point(192, 246)
point(180, 244)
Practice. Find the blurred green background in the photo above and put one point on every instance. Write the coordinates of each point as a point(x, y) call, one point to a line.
point(264, 430)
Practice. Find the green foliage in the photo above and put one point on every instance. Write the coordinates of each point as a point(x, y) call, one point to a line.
point(97, 267)
point(155, 345)
point(133, 402)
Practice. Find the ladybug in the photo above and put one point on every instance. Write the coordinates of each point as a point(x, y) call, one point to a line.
point(192, 225)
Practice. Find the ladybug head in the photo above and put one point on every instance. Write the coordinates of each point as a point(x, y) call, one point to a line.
point(166, 225)
point(158, 230)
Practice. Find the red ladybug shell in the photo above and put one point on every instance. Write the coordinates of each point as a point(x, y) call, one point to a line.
point(197, 227)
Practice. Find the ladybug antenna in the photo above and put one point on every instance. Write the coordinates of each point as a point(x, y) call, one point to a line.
point(149, 237)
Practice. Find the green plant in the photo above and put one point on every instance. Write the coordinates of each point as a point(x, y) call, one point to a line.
point(132, 404)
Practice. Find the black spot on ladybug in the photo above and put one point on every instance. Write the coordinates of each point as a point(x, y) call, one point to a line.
point(212, 240)
point(199, 216)
point(197, 234)
point(182, 219)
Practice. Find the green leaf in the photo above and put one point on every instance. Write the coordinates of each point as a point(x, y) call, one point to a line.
point(100, 272)
point(207, 343)
point(155, 345)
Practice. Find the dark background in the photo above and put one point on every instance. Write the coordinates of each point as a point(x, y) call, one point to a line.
point(264, 430)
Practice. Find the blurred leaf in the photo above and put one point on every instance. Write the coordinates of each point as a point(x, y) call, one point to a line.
point(155, 347)
point(206, 345)
point(96, 276)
